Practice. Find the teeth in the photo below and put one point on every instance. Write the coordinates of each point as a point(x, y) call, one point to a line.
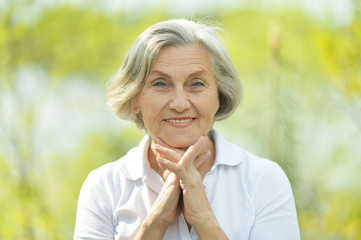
point(180, 120)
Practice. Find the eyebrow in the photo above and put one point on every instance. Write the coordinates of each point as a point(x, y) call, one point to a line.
point(197, 73)
point(157, 72)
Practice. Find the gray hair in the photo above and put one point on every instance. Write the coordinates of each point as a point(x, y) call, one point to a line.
point(123, 88)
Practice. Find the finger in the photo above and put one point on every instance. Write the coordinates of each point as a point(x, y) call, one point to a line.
point(201, 159)
point(178, 170)
point(198, 162)
point(193, 151)
point(167, 153)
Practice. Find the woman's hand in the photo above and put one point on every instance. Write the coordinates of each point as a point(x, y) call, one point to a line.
point(196, 207)
point(195, 202)
point(163, 212)
point(175, 156)
point(166, 208)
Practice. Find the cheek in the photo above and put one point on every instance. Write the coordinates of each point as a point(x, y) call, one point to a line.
point(208, 108)
point(151, 106)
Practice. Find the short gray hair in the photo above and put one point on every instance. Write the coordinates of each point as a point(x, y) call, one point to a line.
point(123, 88)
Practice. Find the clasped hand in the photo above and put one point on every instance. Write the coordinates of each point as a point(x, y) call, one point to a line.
point(183, 189)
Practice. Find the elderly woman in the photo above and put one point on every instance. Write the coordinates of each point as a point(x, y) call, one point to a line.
point(184, 180)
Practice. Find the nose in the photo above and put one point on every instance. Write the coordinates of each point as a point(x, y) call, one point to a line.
point(179, 101)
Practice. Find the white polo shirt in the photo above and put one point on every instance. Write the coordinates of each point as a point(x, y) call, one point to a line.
point(251, 197)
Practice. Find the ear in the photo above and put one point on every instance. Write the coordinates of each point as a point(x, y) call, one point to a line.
point(136, 107)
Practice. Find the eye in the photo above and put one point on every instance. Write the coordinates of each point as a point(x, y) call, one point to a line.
point(198, 83)
point(159, 83)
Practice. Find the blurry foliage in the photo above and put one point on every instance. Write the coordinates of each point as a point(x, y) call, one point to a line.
point(340, 52)
point(68, 40)
point(288, 63)
point(341, 217)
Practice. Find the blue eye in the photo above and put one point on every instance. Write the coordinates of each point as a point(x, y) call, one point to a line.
point(158, 84)
point(198, 84)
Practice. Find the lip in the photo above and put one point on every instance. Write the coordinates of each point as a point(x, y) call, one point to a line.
point(180, 122)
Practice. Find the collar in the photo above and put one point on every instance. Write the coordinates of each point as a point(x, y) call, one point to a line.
point(134, 163)
point(135, 166)
point(227, 153)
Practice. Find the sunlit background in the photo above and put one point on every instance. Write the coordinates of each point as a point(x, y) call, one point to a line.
point(300, 63)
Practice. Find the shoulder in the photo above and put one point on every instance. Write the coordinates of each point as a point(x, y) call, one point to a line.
point(262, 167)
point(105, 187)
point(265, 187)
point(102, 190)
point(104, 176)
point(271, 194)
point(228, 153)
point(255, 171)
point(111, 174)
point(264, 172)
point(269, 188)
point(131, 166)
point(103, 182)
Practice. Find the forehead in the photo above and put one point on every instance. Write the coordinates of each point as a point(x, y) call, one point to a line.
point(193, 56)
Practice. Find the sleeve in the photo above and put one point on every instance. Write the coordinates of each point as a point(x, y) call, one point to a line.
point(276, 216)
point(94, 217)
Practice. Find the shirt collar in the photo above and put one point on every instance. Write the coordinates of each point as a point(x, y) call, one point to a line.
point(226, 153)
point(135, 166)
point(134, 163)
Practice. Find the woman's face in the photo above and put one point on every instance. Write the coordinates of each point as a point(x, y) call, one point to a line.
point(180, 98)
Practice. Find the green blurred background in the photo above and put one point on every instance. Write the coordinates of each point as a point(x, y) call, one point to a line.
point(300, 62)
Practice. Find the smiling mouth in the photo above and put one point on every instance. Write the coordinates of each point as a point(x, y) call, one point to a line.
point(177, 120)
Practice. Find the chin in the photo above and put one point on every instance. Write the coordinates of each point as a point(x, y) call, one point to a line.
point(181, 141)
